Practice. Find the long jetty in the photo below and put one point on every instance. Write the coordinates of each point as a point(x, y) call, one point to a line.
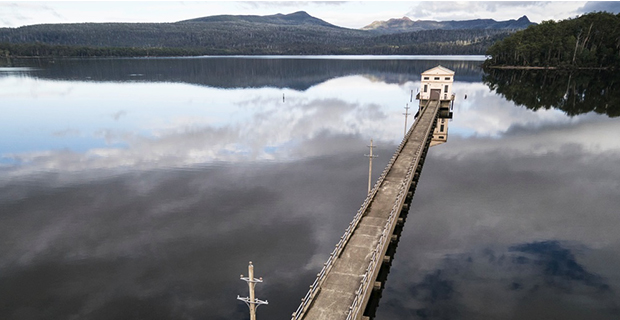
point(343, 288)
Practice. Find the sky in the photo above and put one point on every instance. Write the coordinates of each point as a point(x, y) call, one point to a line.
point(349, 14)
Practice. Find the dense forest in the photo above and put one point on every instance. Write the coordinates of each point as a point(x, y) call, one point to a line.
point(589, 41)
point(438, 42)
point(432, 42)
point(423, 42)
point(293, 34)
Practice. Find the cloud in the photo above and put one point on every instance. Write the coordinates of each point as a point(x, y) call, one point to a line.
point(593, 135)
point(166, 224)
point(543, 198)
point(116, 116)
point(17, 14)
point(269, 133)
point(175, 238)
point(290, 4)
point(528, 280)
point(169, 236)
point(66, 133)
point(350, 14)
point(498, 10)
point(148, 225)
point(485, 113)
point(595, 6)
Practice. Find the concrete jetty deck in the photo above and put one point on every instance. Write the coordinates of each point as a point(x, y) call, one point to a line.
point(343, 287)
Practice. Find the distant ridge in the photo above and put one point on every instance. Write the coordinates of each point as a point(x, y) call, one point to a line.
point(405, 24)
point(296, 33)
point(296, 18)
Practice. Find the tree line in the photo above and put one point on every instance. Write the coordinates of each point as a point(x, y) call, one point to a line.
point(234, 38)
point(589, 41)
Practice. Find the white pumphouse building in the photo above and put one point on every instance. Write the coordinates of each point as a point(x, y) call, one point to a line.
point(436, 85)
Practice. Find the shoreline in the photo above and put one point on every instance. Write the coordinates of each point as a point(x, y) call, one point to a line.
point(548, 68)
point(479, 58)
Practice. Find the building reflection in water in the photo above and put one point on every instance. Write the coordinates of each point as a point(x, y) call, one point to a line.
point(440, 135)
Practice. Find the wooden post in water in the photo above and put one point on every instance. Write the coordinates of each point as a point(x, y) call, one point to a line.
point(370, 156)
point(251, 301)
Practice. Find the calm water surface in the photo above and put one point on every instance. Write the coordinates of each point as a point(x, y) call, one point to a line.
point(141, 188)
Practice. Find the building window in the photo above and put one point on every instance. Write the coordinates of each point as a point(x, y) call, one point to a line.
point(441, 137)
point(437, 78)
point(426, 78)
point(445, 89)
point(447, 78)
point(425, 87)
point(441, 129)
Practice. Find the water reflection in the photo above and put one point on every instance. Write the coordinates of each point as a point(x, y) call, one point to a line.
point(126, 190)
point(166, 243)
point(547, 194)
point(181, 125)
point(298, 74)
point(572, 92)
point(530, 281)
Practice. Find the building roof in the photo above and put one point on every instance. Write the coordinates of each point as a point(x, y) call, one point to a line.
point(439, 70)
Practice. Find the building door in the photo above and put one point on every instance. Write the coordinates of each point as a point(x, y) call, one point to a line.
point(435, 93)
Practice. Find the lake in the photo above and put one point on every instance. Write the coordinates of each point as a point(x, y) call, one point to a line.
point(141, 188)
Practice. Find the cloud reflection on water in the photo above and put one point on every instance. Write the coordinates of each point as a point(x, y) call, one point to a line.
point(256, 124)
point(553, 186)
point(169, 239)
point(526, 281)
point(182, 185)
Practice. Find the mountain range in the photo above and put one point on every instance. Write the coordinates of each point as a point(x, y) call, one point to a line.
point(296, 18)
point(405, 24)
point(295, 33)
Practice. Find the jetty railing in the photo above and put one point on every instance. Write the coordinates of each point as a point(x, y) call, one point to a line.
point(344, 239)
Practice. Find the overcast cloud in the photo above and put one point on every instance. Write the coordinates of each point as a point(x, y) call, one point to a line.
point(595, 6)
point(350, 14)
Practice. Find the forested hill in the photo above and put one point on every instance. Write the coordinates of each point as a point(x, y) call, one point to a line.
point(296, 18)
point(407, 25)
point(293, 34)
point(589, 41)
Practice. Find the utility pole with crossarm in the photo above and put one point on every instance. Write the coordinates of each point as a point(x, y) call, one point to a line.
point(251, 301)
point(406, 114)
point(370, 157)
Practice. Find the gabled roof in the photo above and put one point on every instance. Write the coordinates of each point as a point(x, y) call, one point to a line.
point(439, 70)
